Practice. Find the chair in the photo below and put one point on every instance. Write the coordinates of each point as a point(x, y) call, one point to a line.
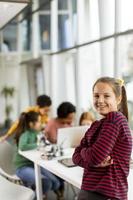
point(7, 168)
point(12, 191)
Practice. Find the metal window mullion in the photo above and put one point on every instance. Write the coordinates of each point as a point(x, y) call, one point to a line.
point(44, 12)
point(35, 31)
point(117, 68)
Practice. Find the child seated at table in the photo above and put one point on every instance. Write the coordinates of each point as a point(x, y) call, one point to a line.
point(26, 139)
point(86, 118)
point(65, 118)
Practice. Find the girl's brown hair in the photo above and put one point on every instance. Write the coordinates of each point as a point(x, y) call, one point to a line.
point(24, 123)
point(119, 90)
point(86, 116)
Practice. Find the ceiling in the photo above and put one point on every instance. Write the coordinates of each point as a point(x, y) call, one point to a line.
point(9, 9)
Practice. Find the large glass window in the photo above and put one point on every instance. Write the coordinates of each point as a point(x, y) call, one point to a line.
point(10, 37)
point(26, 33)
point(45, 31)
point(126, 64)
point(62, 4)
point(93, 32)
point(44, 4)
point(126, 15)
point(74, 21)
point(106, 17)
point(67, 23)
point(26, 28)
point(88, 70)
point(64, 31)
point(63, 78)
point(44, 20)
point(88, 21)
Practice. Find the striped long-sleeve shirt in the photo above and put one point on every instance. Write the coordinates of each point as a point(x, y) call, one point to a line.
point(109, 136)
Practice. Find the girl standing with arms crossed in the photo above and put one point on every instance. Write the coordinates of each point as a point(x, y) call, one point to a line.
point(26, 139)
point(105, 150)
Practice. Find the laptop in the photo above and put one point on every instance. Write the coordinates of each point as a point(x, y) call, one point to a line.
point(70, 137)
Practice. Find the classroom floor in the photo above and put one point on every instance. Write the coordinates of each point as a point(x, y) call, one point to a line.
point(68, 195)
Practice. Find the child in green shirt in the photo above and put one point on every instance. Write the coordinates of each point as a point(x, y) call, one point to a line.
point(26, 139)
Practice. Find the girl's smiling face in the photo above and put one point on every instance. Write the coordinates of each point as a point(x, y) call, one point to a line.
point(104, 99)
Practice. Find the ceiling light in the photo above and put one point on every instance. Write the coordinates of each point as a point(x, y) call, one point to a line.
point(9, 9)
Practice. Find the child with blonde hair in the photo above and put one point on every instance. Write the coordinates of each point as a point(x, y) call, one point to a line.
point(86, 118)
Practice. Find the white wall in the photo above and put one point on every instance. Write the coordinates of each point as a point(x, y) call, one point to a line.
point(9, 76)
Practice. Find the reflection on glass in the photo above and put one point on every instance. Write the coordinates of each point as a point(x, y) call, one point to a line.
point(74, 6)
point(62, 4)
point(65, 37)
point(26, 34)
point(67, 24)
point(4, 47)
point(10, 37)
point(44, 4)
point(45, 31)
point(74, 21)
point(27, 11)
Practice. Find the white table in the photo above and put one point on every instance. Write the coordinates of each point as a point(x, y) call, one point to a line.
point(72, 175)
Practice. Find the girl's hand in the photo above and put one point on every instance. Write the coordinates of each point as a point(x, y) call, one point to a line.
point(108, 161)
point(3, 138)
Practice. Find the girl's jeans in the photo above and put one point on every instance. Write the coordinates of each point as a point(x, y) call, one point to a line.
point(49, 180)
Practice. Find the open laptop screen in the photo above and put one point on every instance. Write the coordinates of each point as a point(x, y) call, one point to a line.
point(70, 136)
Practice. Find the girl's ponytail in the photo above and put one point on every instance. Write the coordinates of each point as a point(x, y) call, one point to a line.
point(20, 127)
point(24, 123)
point(123, 107)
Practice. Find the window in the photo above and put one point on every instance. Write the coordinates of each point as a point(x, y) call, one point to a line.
point(64, 30)
point(26, 33)
point(126, 15)
point(44, 4)
point(10, 37)
point(45, 31)
point(62, 4)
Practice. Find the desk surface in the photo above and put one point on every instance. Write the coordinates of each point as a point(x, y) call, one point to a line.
point(72, 175)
